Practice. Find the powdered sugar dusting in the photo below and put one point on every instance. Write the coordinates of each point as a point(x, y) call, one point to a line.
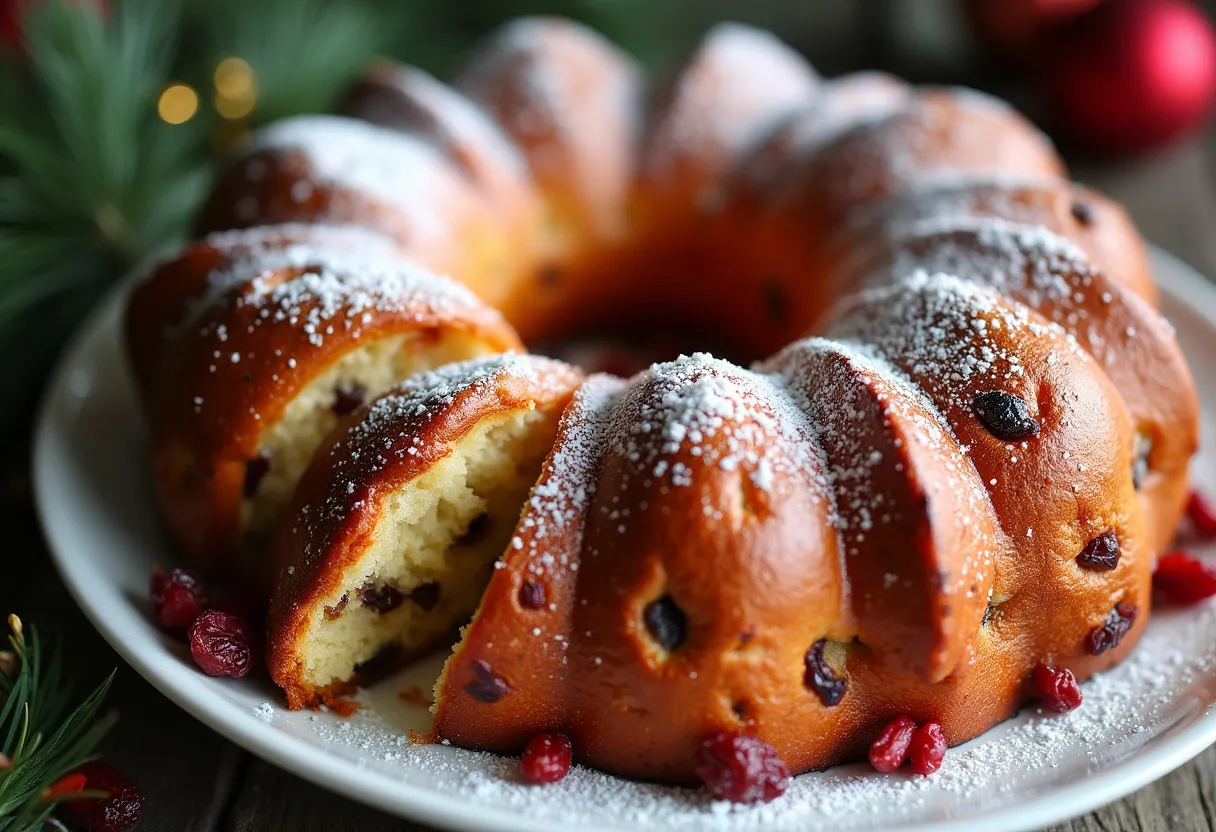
point(737, 86)
point(1026, 263)
point(702, 411)
point(455, 121)
point(400, 169)
point(535, 72)
point(560, 500)
point(954, 132)
point(1034, 756)
point(323, 292)
point(950, 331)
point(825, 378)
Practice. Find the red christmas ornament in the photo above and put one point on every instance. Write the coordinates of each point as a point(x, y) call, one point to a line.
point(1132, 75)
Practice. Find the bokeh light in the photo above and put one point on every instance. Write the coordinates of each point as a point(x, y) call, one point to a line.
point(177, 104)
point(236, 91)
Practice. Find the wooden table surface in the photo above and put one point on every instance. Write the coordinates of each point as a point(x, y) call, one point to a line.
point(196, 780)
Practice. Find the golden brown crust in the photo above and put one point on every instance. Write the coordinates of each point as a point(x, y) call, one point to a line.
point(1084, 217)
point(267, 329)
point(335, 170)
point(571, 102)
point(330, 524)
point(162, 298)
point(751, 83)
point(411, 101)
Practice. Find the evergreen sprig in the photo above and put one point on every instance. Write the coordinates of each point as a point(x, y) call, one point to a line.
point(42, 735)
point(90, 179)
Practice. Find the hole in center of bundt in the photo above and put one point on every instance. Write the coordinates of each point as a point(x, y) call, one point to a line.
point(628, 347)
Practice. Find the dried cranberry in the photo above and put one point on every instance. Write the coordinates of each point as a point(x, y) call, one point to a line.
point(256, 470)
point(1100, 553)
point(546, 759)
point(1111, 631)
point(1083, 212)
point(487, 686)
point(222, 644)
point(381, 599)
point(118, 811)
point(1202, 515)
point(532, 595)
point(889, 751)
point(347, 401)
point(425, 596)
point(178, 598)
point(927, 749)
point(665, 622)
point(741, 769)
point(1184, 579)
point(1005, 415)
point(1057, 688)
point(820, 677)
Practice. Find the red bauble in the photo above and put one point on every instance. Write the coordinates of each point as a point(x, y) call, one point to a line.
point(1132, 75)
point(1013, 27)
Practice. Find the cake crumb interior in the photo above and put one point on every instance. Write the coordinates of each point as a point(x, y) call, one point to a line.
point(432, 552)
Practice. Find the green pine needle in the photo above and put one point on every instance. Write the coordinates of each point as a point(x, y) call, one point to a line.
point(41, 735)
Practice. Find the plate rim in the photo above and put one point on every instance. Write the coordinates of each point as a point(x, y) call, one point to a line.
point(1161, 755)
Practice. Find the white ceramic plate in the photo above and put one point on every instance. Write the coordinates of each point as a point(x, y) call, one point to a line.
point(1139, 721)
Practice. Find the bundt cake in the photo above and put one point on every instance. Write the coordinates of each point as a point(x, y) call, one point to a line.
point(961, 445)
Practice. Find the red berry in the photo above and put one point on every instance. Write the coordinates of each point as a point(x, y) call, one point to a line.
point(927, 749)
point(119, 811)
point(889, 751)
point(1113, 628)
point(546, 759)
point(1202, 515)
point(1057, 688)
point(742, 769)
point(222, 644)
point(1184, 579)
point(178, 598)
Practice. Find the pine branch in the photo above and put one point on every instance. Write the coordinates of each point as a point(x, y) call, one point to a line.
point(42, 737)
point(303, 52)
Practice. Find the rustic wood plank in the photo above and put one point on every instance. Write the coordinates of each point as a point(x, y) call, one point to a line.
point(272, 800)
point(1173, 803)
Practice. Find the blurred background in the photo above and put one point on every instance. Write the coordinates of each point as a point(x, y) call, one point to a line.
point(113, 112)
